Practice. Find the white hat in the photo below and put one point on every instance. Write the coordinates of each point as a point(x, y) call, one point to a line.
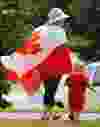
point(56, 14)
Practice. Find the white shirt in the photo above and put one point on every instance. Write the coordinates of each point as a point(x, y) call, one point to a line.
point(51, 36)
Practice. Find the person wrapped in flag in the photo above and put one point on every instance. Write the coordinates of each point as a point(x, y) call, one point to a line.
point(35, 53)
point(41, 57)
point(20, 64)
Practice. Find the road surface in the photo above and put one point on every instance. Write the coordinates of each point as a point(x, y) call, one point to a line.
point(28, 115)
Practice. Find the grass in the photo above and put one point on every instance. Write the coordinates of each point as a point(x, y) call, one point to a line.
point(54, 109)
point(10, 109)
point(98, 108)
point(89, 123)
point(57, 109)
point(37, 109)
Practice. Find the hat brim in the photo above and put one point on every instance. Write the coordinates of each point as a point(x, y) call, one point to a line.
point(59, 18)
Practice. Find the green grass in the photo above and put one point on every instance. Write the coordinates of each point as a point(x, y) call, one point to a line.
point(10, 109)
point(54, 109)
point(98, 108)
point(90, 123)
point(37, 109)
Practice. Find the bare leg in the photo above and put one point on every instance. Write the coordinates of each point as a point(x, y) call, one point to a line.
point(76, 115)
point(66, 105)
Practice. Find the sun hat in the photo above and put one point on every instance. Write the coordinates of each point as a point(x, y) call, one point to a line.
point(56, 14)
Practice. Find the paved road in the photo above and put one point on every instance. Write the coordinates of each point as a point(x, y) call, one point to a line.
point(27, 115)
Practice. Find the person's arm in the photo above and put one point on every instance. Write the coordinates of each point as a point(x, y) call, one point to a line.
point(39, 57)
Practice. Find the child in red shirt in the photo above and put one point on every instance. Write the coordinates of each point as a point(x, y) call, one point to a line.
point(77, 87)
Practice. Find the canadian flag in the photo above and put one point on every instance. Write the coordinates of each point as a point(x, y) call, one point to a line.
point(31, 64)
